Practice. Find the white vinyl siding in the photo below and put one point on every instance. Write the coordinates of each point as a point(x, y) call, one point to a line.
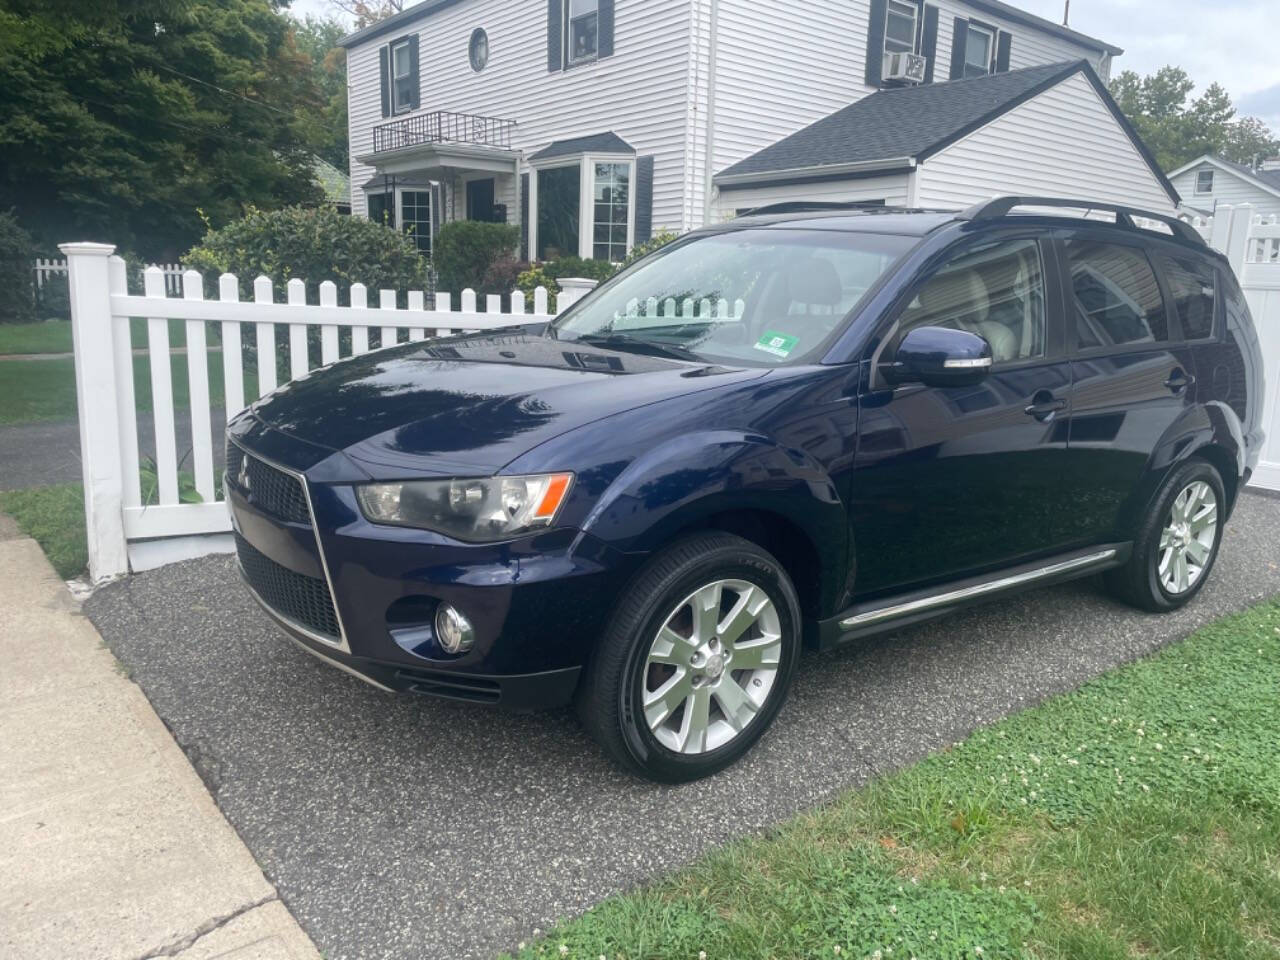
point(892, 189)
point(639, 93)
point(1063, 143)
point(1228, 188)
point(1031, 47)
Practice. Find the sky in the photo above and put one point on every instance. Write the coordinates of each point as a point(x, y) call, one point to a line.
point(1235, 42)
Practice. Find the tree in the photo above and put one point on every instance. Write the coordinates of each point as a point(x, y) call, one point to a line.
point(141, 122)
point(1177, 128)
point(366, 12)
point(325, 129)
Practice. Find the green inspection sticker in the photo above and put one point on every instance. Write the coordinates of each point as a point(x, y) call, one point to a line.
point(779, 344)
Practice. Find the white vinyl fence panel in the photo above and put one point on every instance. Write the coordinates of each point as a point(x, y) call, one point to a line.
point(44, 269)
point(176, 520)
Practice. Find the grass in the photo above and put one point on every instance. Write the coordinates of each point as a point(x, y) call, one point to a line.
point(36, 390)
point(54, 518)
point(55, 336)
point(1136, 817)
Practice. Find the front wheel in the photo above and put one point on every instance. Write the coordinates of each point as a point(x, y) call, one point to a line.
point(1178, 543)
point(696, 661)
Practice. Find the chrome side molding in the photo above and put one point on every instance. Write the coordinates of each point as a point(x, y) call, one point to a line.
point(962, 594)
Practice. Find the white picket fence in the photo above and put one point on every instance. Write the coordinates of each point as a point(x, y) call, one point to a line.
point(122, 531)
point(45, 268)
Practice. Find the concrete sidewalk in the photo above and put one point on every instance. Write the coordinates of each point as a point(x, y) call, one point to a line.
point(110, 845)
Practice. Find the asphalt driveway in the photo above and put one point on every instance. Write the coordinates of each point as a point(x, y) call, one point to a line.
point(401, 827)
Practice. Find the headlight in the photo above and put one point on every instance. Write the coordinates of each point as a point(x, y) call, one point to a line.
point(494, 508)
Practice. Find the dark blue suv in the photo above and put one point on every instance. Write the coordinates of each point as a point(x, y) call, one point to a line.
point(797, 428)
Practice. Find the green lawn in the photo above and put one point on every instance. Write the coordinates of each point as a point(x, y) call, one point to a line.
point(33, 390)
point(55, 336)
point(1136, 817)
point(53, 517)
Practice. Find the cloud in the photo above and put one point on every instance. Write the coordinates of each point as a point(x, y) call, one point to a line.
point(1264, 104)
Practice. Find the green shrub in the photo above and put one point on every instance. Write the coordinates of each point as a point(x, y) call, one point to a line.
point(314, 244)
point(465, 250)
point(548, 274)
point(17, 256)
point(656, 242)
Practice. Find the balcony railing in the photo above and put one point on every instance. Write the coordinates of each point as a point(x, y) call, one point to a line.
point(443, 127)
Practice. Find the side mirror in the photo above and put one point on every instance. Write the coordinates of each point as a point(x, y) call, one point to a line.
point(940, 357)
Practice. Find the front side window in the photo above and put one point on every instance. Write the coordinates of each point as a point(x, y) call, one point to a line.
point(995, 291)
point(755, 296)
point(559, 197)
point(612, 206)
point(401, 77)
point(1204, 181)
point(415, 218)
point(900, 27)
point(979, 50)
point(582, 30)
point(1117, 296)
point(1195, 297)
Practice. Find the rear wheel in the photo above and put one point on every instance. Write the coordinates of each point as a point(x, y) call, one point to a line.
point(696, 661)
point(1178, 543)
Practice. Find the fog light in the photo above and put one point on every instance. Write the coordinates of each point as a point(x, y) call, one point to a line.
point(453, 630)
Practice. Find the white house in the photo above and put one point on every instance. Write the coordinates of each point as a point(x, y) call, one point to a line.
point(592, 123)
point(1210, 181)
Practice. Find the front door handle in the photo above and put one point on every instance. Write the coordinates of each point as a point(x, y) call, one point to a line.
point(1044, 405)
point(1179, 381)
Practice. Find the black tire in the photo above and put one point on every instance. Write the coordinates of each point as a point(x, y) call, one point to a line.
point(1138, 582)
point(609, 700)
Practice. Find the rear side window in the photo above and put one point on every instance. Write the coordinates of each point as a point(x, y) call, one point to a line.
point(1194, 289)
point(1117, 296)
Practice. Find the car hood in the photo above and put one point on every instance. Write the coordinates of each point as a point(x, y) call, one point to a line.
point(472, 405)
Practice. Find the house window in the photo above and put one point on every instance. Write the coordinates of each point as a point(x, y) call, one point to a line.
point(979, 49)
point(382, 209)
point(1204, 181)
point(900, 27)
point(401, 77)
point(612, 211)
point(559, 202)
point(582, 30)
point(415, 218)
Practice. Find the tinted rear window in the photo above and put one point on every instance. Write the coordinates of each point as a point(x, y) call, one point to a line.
point(1193, 286)
point(1117, 296)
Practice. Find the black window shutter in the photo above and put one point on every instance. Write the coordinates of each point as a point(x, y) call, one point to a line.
point(1004, 47)
point(929, 42)
point(413, 69)
point(875, 42)
point(959, 37)
point(604, 44)
point(384, 71)
point(644, 199)
point(555, 35)
point(524, 216)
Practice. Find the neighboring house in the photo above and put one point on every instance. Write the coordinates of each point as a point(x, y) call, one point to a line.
point(1210, 181)
point(593, 123)
point(335, 184)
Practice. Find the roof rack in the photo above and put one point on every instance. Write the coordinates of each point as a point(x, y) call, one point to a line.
point(999, 207)
point(817, 206)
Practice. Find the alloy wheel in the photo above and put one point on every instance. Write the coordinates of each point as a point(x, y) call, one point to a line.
point(711, 667)
point(1188, 538)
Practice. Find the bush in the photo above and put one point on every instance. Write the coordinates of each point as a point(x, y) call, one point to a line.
point(314, 244)
point(548, 274)
point(465, 250)
point(656, 242)
point(17, 256)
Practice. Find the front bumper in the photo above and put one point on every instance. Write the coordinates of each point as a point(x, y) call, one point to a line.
point(537, 604)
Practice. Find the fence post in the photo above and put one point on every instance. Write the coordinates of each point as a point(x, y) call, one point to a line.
point(572, 289)
point(1236, 238)
point(91, 332)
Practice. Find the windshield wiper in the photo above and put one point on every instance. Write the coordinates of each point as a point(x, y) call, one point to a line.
point(621, 341)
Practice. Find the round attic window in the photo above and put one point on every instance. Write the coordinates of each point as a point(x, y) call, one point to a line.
point(479, 49)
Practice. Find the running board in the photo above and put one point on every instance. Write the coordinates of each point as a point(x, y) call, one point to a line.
point(879, 615)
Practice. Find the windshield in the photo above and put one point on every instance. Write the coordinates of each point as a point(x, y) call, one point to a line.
point(758, 296)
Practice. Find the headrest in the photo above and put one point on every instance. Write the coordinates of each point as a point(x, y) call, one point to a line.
point(814, 281)
point(956, 294)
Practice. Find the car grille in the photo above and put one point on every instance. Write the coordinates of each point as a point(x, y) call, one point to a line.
point(269, 489)
point(305, 600)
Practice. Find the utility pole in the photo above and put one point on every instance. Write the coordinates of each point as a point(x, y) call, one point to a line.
point(1066, 15)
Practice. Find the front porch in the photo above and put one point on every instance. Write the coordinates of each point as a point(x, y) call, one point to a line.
point(435, 168)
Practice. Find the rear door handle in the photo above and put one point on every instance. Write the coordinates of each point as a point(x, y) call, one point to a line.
point(1045, 408)
point(1179, 381)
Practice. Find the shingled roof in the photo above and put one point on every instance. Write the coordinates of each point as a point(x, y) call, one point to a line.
point(607, 142)
point(891, 129)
